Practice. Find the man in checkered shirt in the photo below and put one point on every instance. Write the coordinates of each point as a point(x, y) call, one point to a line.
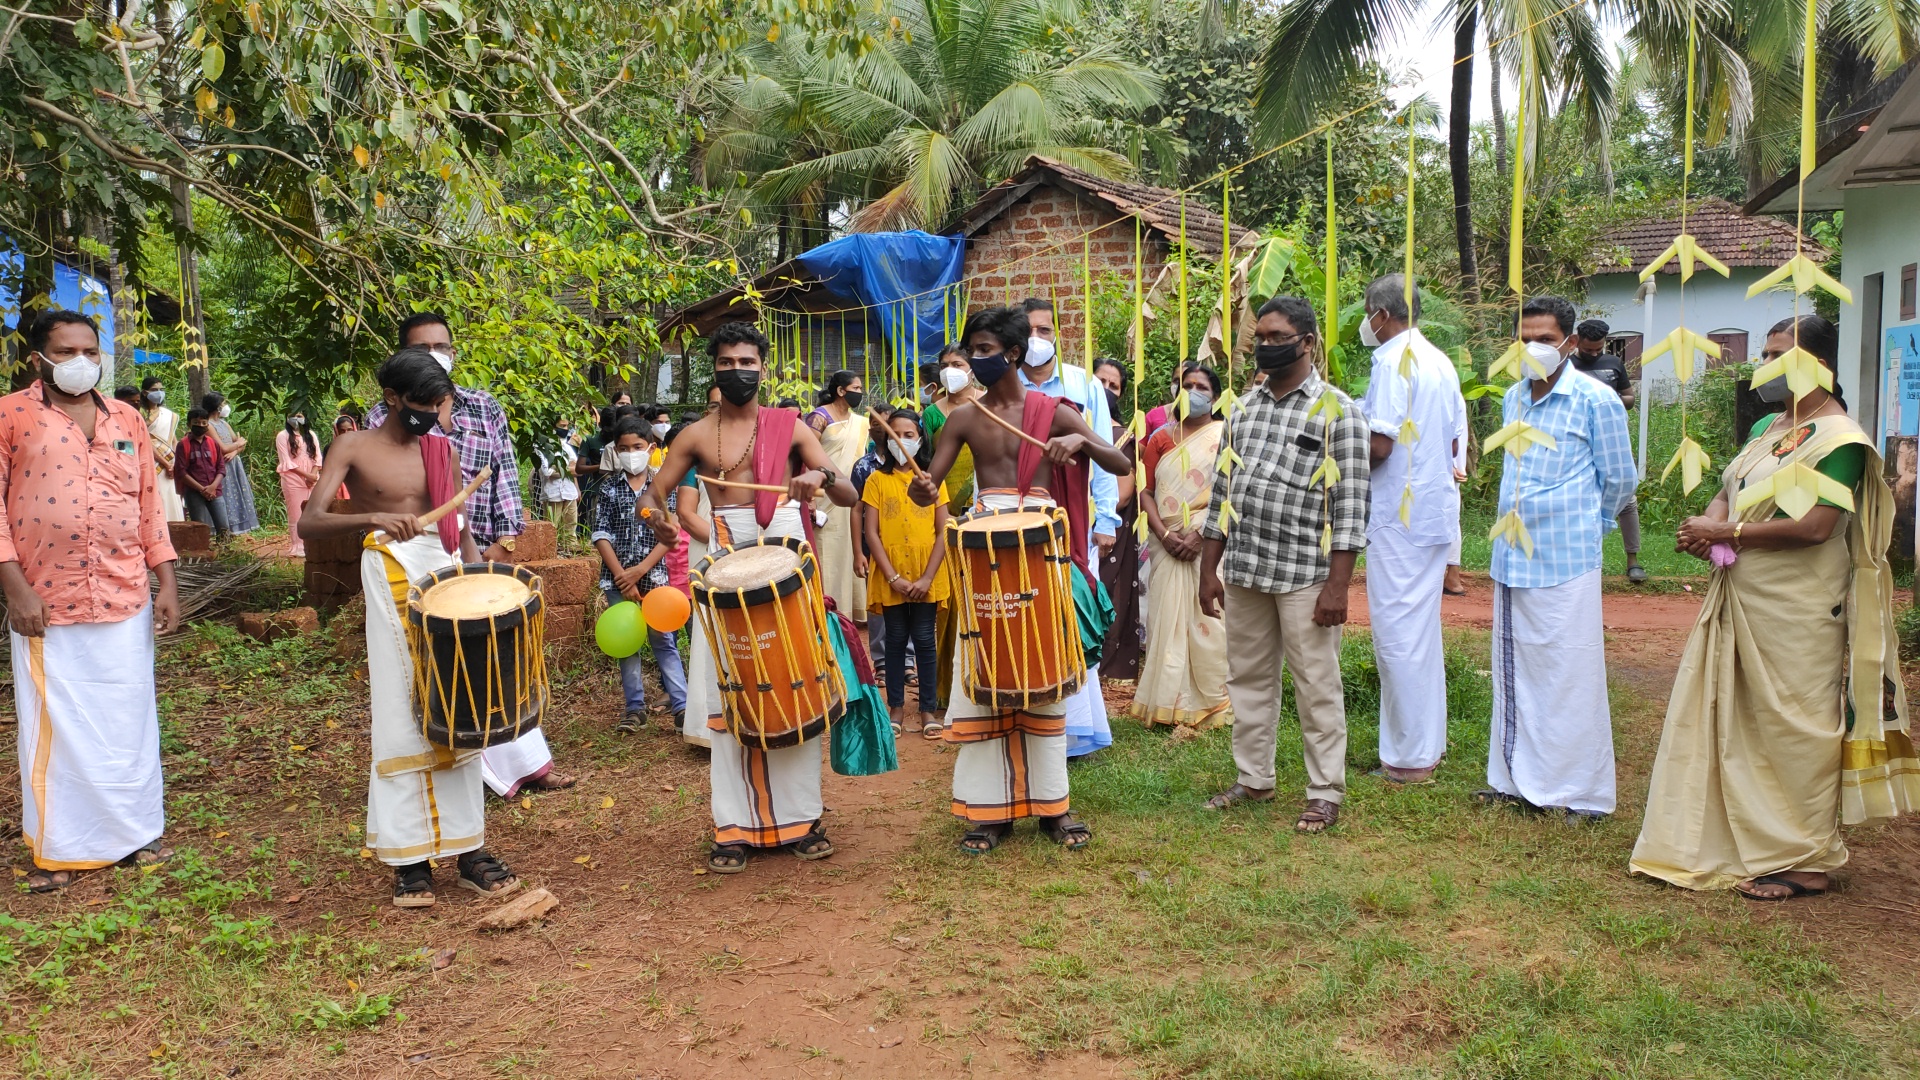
point(481, 438)
point(1281, 562)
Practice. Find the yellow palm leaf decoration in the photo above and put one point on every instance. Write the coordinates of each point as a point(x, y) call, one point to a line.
point(1511, 529)
point(1406, 357)
point(1140, 529)
point(1693, 462)
point(1328, 473)
point(1225, 401)
point(1229, 460)
point(1406, 505)
point(1409, 432)
point(1138, 425)
point(1328, 404)
point(1802, 369)
point(1517, 437)
point(1186, 458)
point(1688, 251)
point(1796, 488)
point(1806, 274)
point(1228, 515)
point(1180, 406)
point(1683, 343)
point(1510, 363)
point(1326, 539)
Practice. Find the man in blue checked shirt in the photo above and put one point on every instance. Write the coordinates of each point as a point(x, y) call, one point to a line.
point(1552, 743)
point(1041, 370)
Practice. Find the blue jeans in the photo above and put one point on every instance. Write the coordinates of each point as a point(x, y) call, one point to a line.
point(910, 623)
point(666, 653)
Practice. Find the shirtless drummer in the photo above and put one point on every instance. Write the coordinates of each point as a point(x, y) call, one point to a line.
point(423, 801)
point(1012, 763)
point(762, 798)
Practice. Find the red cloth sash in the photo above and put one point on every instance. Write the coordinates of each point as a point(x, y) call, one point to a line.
point(773, 464)
point(436, 455)
point(1069, 485)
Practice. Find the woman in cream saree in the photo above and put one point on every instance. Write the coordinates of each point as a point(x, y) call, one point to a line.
point(1183, 675)
point(1788, 717)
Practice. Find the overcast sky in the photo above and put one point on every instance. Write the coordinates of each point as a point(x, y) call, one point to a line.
point(1425, 53)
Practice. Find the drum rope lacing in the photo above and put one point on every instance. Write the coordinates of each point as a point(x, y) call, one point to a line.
point(735, 684)
point(529, 658)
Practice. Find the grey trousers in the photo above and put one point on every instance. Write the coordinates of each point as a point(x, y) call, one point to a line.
point(1630, 527)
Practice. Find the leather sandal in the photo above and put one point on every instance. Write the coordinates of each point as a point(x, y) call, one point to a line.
point(1067, 831)
point(486, 874)
point(814, 845)
point(413, 886)
point(1236, 795)
point(1321, 812)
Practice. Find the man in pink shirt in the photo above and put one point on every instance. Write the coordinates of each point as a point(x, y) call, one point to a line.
point(80, 526)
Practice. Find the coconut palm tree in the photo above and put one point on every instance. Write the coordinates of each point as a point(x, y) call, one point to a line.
point(1319, 45)
point(955, 95)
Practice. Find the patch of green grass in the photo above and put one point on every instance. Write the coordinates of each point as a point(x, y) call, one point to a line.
point(1427, 936)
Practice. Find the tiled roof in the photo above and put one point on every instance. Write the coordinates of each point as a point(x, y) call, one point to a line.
point(1158, 207)
point(1728, 234)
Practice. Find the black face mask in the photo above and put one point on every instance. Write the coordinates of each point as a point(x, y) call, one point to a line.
point(737, 385)
point(1113, 402)
point(854, 398)
point(989, 369)
point(418, 422)
point(1273, 359)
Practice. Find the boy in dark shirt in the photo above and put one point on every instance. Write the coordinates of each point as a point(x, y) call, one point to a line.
point(1591, 358)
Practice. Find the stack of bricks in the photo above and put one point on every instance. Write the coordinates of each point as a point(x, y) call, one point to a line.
point(191, 539)
point(1034, 248)
point(567, 585)
point(332, 573)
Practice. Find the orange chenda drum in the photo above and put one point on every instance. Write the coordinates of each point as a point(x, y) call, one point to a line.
point(761, 609)
point(1018, 636)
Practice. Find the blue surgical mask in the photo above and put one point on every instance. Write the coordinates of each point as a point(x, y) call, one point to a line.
point(988, 370)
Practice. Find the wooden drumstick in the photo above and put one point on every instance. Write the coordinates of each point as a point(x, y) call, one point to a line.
point(434, 515)
point(1003, 422)
point(777, 490)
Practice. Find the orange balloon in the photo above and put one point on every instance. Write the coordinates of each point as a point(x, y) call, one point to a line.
point(666, 610)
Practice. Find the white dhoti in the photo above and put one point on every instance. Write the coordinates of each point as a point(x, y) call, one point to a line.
point(1552, 740)
point(89, 742)
point(423, 801)
point(1087, 725)
point(761, 798)
point(1012, 763)
point(509, 765)
point(703, 683)
point(1404, 583)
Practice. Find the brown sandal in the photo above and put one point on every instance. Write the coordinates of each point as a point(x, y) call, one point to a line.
point(50, 881)
point(1236, 795)
point(1322, 813)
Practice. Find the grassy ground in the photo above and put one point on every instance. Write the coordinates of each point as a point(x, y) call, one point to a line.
point(1426, 937)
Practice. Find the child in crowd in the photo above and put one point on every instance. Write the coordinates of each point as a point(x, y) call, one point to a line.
point(906, 550)
point(632, 559)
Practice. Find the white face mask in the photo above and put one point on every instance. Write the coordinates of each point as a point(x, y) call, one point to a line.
point(156, 397)
point(1039, 352)
point(905, 449)
point(445, 359)
point(955, 379)
point(1198, 402)
point(225, 410)
point(633, 462)
point(76, 376)
point(660, 430)
point(1368, 335)
point(1549, 358)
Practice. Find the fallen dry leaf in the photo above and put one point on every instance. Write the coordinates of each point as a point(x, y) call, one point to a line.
point(526, 802)
point(699, 870)
point(331, 724)
point(606, 803)
point(222, 835)
point(415, 1059)
point(443, 959)
point(294, 899)
point(890, 1044)
point(583, 859)
point(296, 747)
point(366, 853)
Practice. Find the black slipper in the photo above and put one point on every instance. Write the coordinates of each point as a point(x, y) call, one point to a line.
point(727, 858)
point(1795, 890)
point(992, 835)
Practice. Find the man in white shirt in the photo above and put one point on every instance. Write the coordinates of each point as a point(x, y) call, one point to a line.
point(1041, 370)
point(1415, 412)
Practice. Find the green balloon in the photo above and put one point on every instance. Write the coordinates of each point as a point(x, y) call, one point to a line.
point(620, 630)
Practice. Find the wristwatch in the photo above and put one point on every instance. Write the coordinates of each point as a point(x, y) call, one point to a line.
point(827, 476)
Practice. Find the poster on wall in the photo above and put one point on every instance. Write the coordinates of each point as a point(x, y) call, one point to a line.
point(1900, 429)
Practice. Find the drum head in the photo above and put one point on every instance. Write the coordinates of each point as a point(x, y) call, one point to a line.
point(1018, 520)
point(474, 596)
point(752, 567)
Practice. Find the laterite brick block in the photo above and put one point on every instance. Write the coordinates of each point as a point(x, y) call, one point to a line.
point(537, 542)
point(567, 582)
point(191, 539)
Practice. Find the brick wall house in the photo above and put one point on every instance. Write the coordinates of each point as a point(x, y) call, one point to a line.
point(1029, 235)
point(1025, 237)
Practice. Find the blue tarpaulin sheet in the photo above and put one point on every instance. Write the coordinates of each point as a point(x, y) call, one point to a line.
point(72, 291)
point(907, 279)
point(143, 356)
